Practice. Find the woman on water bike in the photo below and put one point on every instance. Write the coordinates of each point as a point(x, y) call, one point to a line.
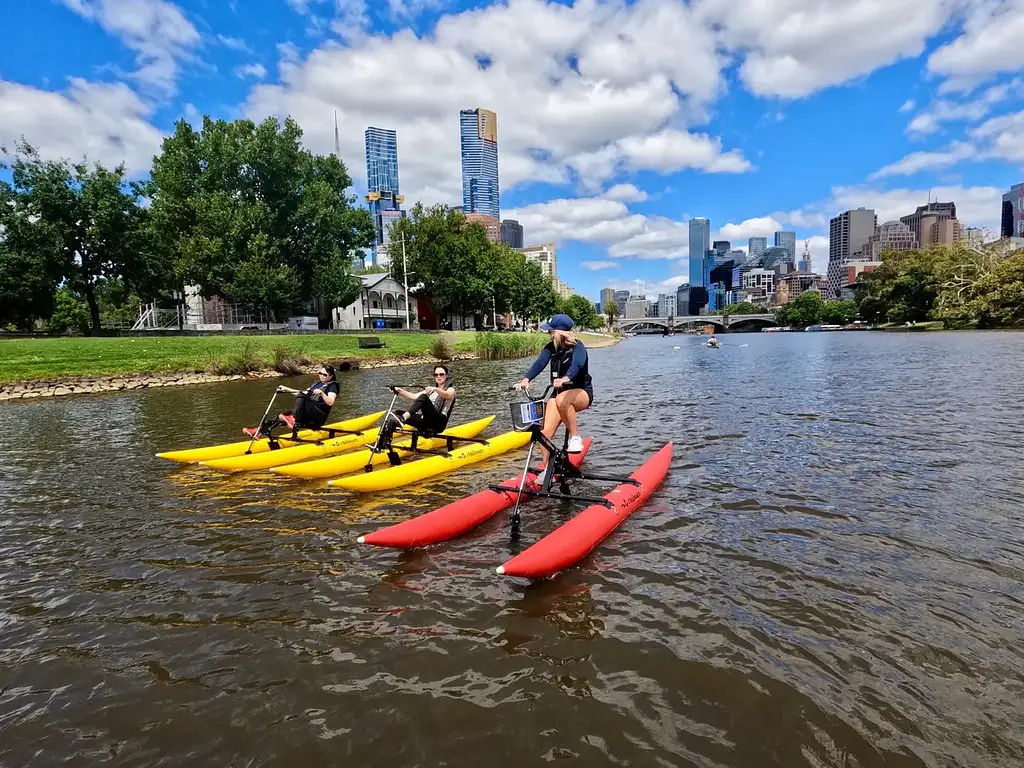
point(430, 408)
point(570, 376)
point(312, 405)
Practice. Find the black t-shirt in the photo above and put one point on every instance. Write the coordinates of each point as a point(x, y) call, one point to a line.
point(330, 386)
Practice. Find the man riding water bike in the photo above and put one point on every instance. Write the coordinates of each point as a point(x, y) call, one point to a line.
point(570, 376)
point(431, 408)
point(312, 405)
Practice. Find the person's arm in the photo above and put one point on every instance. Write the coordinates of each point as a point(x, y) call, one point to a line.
point(447, 394)
point(406, 393)
point(330, 394)
point(538, 365)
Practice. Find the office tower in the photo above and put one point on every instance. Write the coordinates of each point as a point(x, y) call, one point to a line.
point(1012, 215)
point(925, 216)
point(512, 233)
point(382, 189)
point(755, 247)
point(722, 247)
point(700, 242)
point(607, 297)
point(848, 234)
point(786, 238)
point(479, 136)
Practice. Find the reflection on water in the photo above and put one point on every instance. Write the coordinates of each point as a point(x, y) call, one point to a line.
point(831, 575)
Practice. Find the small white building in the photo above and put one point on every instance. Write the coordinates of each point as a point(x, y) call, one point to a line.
point(381, 304)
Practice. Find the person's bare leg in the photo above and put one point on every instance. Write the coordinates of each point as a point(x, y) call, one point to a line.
point(551, 422)
point(570, 403)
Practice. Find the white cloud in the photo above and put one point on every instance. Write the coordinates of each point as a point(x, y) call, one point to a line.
point(921, 161)
point(1005, 137)
point(763, 226)
point(946, 110)
point(627, 193)
point(990, 44)
point(157, 30)
point(797, 47)
point(108, 123)
point(234, 43)
point(593, 266)
point(585, 92)
point(908, 105)
point(257, 71)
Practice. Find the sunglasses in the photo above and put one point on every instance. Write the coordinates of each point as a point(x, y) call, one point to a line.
point(439, 374)
point(324, 373)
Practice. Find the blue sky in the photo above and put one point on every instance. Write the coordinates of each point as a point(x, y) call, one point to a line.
point(617, 122)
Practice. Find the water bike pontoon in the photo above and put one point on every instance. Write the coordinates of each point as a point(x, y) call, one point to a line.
point(440, 449)
point(353, 429)
point(569, 542)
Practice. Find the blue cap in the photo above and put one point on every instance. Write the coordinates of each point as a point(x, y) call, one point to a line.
point(558, 323)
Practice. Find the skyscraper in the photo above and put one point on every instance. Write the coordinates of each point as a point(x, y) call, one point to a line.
point(479, 136)
point(512, 233)
point(755, 247)
point(382, 192)
point(1011, 222)
point(787, 239)
point(700, 244)
point(848, 234)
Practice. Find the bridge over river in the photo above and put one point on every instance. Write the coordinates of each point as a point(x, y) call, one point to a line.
point(731, 322)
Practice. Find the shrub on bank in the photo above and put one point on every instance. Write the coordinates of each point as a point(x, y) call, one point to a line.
point(246, 361)
point(501, 346)
point(441, 348)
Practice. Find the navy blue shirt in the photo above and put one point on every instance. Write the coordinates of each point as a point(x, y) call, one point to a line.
point(572, 362)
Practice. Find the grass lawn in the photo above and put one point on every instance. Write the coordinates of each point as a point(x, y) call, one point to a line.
point(27, 359)
point(52, 359)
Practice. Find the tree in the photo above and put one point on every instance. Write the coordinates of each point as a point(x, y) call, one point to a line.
point(611, 311)
point(582, 312)
point(240, 199)
point(802, 311)
point(838, 312)
point(743, 308)
point(76, 222)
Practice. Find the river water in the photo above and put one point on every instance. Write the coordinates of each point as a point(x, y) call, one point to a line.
point(831, 575)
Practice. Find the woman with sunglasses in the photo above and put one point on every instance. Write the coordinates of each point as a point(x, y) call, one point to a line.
point(432, 407)
point(312, 405)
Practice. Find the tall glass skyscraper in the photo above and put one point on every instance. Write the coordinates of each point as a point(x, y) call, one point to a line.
point(382, 194)
point(700, 244)
point(479, 133)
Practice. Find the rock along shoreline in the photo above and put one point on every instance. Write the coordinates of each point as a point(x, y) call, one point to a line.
point(83, 385)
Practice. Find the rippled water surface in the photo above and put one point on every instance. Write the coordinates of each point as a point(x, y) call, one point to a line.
point(829, 576)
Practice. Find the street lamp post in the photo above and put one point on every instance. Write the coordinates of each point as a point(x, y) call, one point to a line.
point(405, 274)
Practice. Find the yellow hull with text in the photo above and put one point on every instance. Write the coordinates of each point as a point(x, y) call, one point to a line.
point(225, 450)
point(353, 462)
point(404, 474)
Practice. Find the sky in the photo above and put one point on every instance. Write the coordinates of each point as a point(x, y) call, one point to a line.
point(617, 122)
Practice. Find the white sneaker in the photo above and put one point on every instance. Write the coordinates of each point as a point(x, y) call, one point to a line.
point(540, 477)
point(575, 444)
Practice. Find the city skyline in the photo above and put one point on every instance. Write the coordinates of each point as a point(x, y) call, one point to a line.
point(609, 163)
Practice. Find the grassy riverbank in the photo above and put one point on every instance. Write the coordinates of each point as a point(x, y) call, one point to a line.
point(56, 358)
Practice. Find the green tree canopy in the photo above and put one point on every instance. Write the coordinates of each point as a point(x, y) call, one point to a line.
point(76, 223)
point(464, 272)
point(238, 200)
point(582, 312)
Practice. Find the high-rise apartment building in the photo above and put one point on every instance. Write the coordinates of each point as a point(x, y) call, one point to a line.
point(755, 247)
point(786, 238)
point(544, 257)
point(700, 243)
point(479, 135)
point(848, 233)
point(1012, 215)
point(490, 224)
point(382, 189)
point(512, 233)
